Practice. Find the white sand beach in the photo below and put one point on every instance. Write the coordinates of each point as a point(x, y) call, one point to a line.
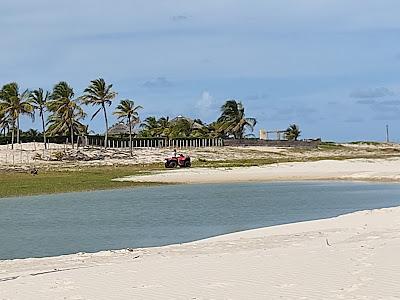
point(352, 169)
point(353, 256)
point(348, 257)
point(33, 154)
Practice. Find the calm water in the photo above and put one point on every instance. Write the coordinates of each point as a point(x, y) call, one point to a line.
point(69, 223)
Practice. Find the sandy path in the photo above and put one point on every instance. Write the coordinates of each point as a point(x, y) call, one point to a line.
point(353, 256)
point(355, 169)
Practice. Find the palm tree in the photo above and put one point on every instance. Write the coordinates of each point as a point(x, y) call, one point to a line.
point(164, 126)
point(127, 110)
point(14, 104)
point(149, 127)
point(68, 123)
point(99, 93)
point(233, 121)
point(39, 100)
point(293, 132)
point(4, 124)
point(32, 133)
point(66, 112)
point(181, 128)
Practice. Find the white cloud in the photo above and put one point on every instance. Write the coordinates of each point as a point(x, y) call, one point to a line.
point(372, 93)
point(159, 82)
point(206, 105)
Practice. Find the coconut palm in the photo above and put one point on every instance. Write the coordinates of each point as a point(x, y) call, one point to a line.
point(99, 93)
point(66, 112)
point(4, 124)
point(149, 127)
point(233, 120)
point(67, 123)
point(39, 100)
point(164, 126)
point(32, 133)
point(13, 104)
point(181, 128)
point(293, 132)
point(126, 110)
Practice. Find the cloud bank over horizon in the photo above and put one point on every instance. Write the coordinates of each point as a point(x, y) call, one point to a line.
point(330, 66)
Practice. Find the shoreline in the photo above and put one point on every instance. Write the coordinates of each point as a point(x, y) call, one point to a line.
point(257, 259)
point(385, 170)
point(366, 170)
point(99, 169)
point(205, 240)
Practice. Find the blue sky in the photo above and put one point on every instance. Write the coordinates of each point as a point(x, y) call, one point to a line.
point(331, 66)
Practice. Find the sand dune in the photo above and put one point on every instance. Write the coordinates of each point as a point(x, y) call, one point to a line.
point(352, 169)
point(349, 257)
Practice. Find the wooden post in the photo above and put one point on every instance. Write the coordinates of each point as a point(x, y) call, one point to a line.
point(387, 133)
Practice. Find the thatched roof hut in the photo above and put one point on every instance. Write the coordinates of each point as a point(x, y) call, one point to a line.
point(193, 123)
point(120, 129)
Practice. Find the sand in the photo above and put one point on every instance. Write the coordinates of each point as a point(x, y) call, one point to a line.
point(28, 155)
point(353, 256)
point(352, 169)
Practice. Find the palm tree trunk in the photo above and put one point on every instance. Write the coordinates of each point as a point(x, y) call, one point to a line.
point(106, 121)
point(18, 130)
point(44, 131)
point(12, 134)
point(130, 135)
point(72, 136)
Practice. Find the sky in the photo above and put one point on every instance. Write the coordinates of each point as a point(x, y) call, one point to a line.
point(330, 66)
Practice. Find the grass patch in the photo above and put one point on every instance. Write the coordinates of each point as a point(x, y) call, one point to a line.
point(69, 180)
point(366, 143)
point(330, 146)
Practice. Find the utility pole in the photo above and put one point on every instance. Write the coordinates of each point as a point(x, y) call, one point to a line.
point(387, 133)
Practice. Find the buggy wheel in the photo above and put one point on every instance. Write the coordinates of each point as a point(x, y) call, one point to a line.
point(172, 164)
point(188, 164)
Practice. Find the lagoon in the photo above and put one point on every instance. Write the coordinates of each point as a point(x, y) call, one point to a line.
point(51, 225)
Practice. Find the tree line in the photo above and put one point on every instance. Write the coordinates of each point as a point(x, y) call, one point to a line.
point(61, 114)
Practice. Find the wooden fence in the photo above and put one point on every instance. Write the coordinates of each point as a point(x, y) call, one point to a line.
point(93, 141)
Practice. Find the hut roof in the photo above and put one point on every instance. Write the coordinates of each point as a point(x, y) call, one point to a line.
point(193, 123)
point(119, 128)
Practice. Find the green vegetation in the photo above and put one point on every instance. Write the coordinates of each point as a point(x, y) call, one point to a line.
point(15, 183)
point(13, 104)
point(99, 94)
point(64, 115)
point(330, 146)
point(366, 143)
point(233, 120)
point(39, 100)
point(75, 179)
point(231, 124)
point(127, 110)
point(293, 132)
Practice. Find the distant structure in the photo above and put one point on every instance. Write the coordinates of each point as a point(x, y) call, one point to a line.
point(120, 129)
point(387, 134)
point(274, 135)
point(193, 123)
point(263, 134)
